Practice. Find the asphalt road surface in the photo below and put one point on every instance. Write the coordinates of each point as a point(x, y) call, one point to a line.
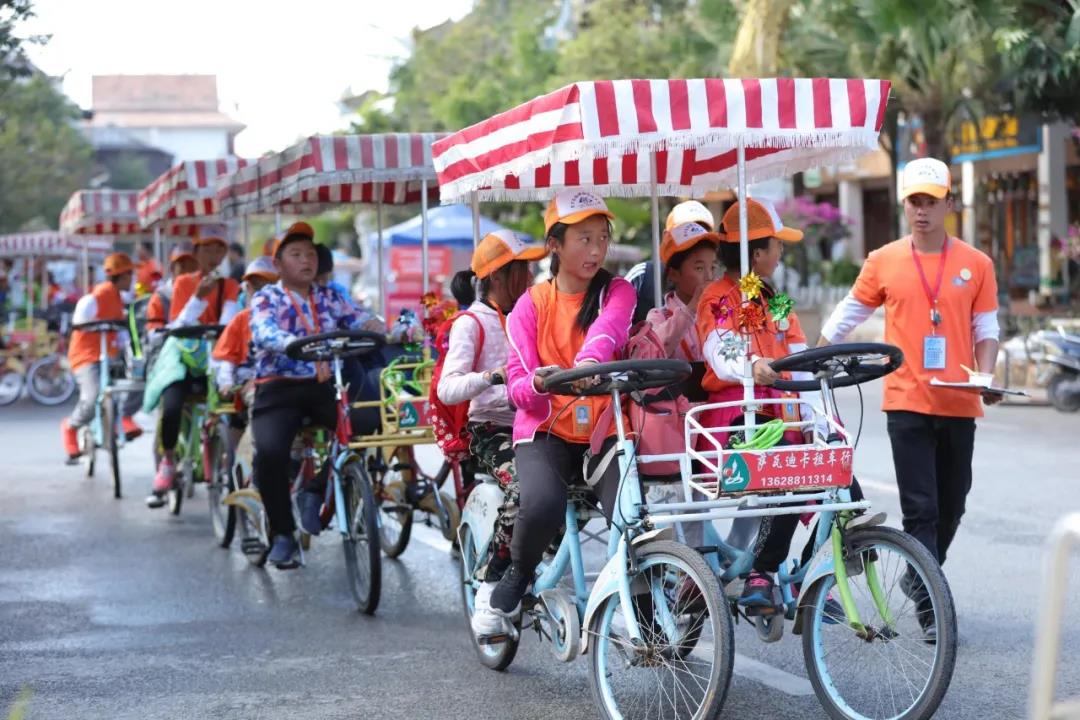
point(110, 610)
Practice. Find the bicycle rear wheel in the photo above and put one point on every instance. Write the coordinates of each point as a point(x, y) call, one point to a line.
point(220, 483)
point(392, 477)
point(363, 564)
point(112, 442)
point(88, 447)
point(683, 667)
point(497, 656)
point(11, 386)
point(888, 669)
point(49, 382)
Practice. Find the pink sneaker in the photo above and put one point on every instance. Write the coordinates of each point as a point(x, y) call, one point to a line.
point(163, 480)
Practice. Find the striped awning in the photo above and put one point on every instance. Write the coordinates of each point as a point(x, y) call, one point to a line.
point(330, 170)
point(101, 212)
point(53, 244)
point(185, 195)
point(603, 135)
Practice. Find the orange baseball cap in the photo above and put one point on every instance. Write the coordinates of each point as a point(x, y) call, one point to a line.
point(573, 206)
point(211, 234)
point(927, 176)
point(685, 236)
point(179, 253)
point(762, 221)
point(263, 267)
point(118, 264)
point(501, 248)
point(299, 230)
point(690, 211)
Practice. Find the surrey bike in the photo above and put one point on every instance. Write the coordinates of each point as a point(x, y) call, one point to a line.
point(349, 500)
point(872, 605)
point(104, 430)
point(657, 628)
point(189, 450)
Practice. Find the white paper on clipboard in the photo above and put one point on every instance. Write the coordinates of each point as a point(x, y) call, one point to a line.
point(975, 387)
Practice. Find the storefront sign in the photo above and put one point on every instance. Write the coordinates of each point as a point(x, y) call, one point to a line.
point(995, 136)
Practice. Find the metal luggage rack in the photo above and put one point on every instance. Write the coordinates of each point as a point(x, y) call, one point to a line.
point(397, 427)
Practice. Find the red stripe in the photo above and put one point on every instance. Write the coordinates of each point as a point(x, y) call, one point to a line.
point(572, 173)
point(785, 101)
point(511, 182)
point(856, 92)
point(716, 99)
point(367, 152)
point(688, 161)
point(314, 150)
point(822, 103)
point(882, 103)
point(552, 101)
point(341, 153)
point(543, 176)
point(599, 171)
point(416, 147)
point(367, 193)
point(200, 175)
point(643, 105)
point(752, 101)
point(727, 160)
point(679, 99)
point(390, 145)
point(661, 166)
point(606, 110)
point(463, 168)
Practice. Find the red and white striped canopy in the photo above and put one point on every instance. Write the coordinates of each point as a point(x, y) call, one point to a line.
point(101, 212)
point(328, 170)
point(52, 244)
point(186, 194)
point(600, 135)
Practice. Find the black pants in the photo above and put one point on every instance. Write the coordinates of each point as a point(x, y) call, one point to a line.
point(172, 407)
point(281, 407)
point(546, 467)
point(932, 457)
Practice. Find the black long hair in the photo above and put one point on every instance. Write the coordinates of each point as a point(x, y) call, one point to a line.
point(590, 306)
point(729, 252)
point(463, 289)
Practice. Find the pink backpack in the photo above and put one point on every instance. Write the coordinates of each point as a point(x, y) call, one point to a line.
point(659, 422)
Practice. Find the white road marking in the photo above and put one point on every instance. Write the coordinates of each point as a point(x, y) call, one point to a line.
point(889, 487)
point(767, 675)
point(429, 536)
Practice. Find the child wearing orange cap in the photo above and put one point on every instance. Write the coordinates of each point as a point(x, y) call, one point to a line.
point(202, 297)
point(474, 371)
point(181, 262)
point(105, 302)
point(581, 316)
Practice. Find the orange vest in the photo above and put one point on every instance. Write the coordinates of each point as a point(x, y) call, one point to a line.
point(235, 339)
point(184, 289)
point(85, 347)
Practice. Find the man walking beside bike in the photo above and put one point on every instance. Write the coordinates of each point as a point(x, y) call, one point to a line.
point(105, 302)
point(289, 391)
point(940, 299)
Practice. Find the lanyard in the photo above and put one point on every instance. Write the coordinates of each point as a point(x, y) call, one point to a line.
point(498, 311)
point(300, 313)
point(932, 296)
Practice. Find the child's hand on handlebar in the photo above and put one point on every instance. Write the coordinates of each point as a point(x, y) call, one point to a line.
point(586, 382)
point(541, 373)
point(763, 372)
point(322, 372)
point(496, 376)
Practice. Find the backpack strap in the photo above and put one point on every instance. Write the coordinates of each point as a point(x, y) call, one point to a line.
point(480, 340)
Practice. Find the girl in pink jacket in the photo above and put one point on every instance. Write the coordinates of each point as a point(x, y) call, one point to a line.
point(474, 371)
point(582, 315)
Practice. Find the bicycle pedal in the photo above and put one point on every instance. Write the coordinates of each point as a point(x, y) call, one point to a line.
point(252, 546)
point(866, 520)
point(497, 639)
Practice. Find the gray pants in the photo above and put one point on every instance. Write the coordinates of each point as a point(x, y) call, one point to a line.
point(88, 379)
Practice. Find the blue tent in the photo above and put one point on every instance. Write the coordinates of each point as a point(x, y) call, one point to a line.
point(447, 225)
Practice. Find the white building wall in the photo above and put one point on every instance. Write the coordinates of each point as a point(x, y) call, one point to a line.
point(186, 143)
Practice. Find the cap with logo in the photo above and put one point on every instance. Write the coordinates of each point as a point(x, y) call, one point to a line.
point(118, 264)
point(573, 206)
point(925, 176)
point(297, 231)
point(263, 267)
point(684, 237)
point(211, 234)
point(500, 248)
point(690, 211)
point(762, 221)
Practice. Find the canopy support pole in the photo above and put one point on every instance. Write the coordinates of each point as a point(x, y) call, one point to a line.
point(654, 200)
point(474, 202)
point(380, 274)
point(277, 221)
point(245, 229)
point(744, 268)
point(86, 265)
point(159, 254)
point(29, 274)
point(424, 235)
point(43, 299)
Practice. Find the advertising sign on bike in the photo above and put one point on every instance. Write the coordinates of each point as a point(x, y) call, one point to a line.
point(782, 471)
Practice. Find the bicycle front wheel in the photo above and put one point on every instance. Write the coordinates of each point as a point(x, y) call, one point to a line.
point(220, 484)
point(363, 563)
point(11, 386)
point(49, 382)
point(898, 663)
point(109, 432)
point(682, 668)
point(392, 478)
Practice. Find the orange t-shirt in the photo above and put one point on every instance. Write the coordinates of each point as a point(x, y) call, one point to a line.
point(155, 313)
point(559, 340)
point(770, 342)
point(889, 277)
point(232, 345)
point(184, 289)
point(85, 347)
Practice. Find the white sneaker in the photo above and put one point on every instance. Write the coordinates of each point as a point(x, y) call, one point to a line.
point(489, 621)
point(482, 600)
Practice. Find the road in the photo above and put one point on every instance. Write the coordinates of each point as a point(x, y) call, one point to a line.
point(110, 610)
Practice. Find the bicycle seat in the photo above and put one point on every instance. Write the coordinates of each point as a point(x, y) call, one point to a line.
point(189, 332)
point(100, 326)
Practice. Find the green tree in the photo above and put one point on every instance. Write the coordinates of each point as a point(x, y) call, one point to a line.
point(1041, 59)
point(129, 171)
point(12, 56)
point(43, 156)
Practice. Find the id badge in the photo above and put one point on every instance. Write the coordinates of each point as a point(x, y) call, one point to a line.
point(582, 420)
point(790, 410)
point(933, 352)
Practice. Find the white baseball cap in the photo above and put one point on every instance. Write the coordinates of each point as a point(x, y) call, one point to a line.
point(572, 206)
point(927, 176)
point(690, 211)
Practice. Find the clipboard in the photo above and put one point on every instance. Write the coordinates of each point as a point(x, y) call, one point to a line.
point(934, 382)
